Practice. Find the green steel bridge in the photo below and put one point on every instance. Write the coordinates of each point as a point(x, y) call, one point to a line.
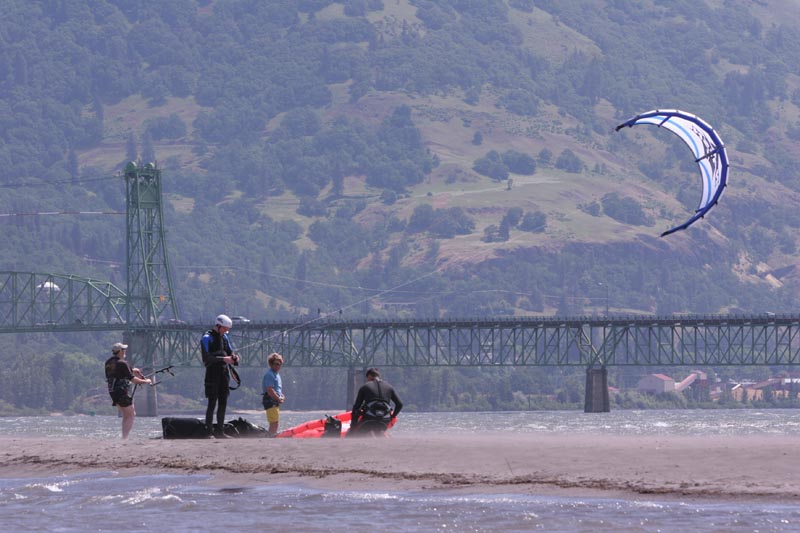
point(145, 312)
point(31, 302)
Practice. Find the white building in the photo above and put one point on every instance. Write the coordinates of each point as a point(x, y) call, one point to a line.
point(656, 384)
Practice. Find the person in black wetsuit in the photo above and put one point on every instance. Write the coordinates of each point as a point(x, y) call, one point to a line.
point(217, 355)
point(372, 410)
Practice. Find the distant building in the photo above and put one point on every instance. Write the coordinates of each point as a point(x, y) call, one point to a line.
point(779, 387)
point(722, 390)
point(692, 380)
point(746, 391)
point(656, 384)
point(695, 386)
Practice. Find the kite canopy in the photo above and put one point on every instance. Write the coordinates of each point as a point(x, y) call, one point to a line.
point(705, 144)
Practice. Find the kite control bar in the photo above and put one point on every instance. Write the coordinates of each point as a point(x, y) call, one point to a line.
point(166, 369)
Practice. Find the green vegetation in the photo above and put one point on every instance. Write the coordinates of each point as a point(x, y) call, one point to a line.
point(317, 151)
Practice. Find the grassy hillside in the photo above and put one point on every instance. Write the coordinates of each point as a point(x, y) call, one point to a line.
point(581, 68)
point(319, 159)
point(448, 126)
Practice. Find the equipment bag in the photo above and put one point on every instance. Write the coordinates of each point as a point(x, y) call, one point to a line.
point(240, 427)
point(184, 428)
point(333, 427)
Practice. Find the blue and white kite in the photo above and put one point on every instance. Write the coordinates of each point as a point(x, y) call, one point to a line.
point(709, 153)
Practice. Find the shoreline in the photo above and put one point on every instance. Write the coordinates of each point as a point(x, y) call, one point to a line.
point(663, 467)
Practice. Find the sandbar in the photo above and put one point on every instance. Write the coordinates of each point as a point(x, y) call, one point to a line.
point(684, 467)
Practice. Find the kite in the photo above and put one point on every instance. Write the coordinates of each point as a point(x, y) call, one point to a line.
point(705, 144)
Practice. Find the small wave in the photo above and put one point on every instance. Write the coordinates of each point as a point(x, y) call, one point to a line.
point(361, 496)
point(154, 495)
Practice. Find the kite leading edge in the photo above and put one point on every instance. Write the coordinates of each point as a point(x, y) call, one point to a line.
point(705, 144)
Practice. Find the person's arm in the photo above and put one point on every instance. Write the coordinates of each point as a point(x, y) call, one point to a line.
point(356, 411)
point(142, 380)
point(398, 405)
point(274, 395)
point(139, 378)
point(134, 375)
point(228, 347)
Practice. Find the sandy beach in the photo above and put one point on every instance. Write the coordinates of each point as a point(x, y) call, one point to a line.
point(749, 467)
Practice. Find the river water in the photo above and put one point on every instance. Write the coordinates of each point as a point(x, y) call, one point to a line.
point(105, 501)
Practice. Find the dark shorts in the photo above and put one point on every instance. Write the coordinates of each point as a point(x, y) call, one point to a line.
point(268, 402)
point(122, 399)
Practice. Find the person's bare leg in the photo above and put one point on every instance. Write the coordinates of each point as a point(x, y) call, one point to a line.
point(128, 416)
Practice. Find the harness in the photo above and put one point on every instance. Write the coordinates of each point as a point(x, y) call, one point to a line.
point(268, 402)
point(216, 348)
point(116, 385)
point(379, 408)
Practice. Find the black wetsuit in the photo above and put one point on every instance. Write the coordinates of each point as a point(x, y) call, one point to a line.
point(372, 406)
point(217, 381)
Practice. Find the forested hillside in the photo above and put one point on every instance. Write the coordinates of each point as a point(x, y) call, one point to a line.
point(405, 157)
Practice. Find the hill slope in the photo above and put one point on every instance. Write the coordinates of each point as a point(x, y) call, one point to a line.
point(325, 153)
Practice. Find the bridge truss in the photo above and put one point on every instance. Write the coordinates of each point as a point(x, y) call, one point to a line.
point(585, 342)
point(40, 302)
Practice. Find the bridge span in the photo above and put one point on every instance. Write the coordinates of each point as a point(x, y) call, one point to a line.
point(589, 342)
point(594, 343)
point(713, 340)
point(31, 302)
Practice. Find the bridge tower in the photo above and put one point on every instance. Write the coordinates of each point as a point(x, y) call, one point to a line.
point(149, 284)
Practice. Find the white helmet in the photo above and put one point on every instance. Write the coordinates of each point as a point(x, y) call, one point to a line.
point(224, 321)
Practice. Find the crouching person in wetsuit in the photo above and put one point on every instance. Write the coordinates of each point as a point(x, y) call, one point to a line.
point(119, 376)
point(217, 355)
point(372, 410)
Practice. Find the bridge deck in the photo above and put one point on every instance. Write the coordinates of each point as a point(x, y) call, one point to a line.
point(530, 341)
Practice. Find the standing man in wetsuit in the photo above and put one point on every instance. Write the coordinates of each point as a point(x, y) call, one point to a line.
point(217, 355)
point(372, 410)
point(119, 376)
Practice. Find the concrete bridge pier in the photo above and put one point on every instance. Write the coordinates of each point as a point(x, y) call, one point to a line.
point(145, 400)
point(355, 378)
point(597, 400)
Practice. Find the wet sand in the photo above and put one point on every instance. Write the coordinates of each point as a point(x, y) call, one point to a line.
point(738, 467)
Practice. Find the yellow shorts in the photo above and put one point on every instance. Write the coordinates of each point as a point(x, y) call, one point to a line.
point(273, 414)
